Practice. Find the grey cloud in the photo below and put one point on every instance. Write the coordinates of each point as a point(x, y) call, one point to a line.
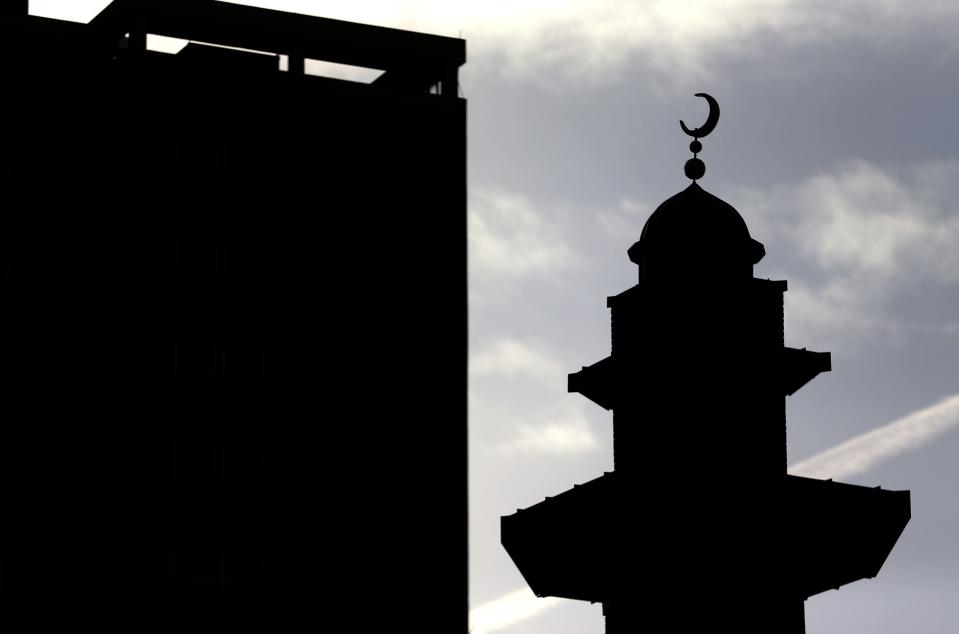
point(507, 358)
point(510, 240)
point(855, 240)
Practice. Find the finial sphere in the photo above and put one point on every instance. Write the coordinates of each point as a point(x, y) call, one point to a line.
point(695, 168)
point(695, 147)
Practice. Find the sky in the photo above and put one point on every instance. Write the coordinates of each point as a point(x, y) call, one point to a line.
point(837, 144)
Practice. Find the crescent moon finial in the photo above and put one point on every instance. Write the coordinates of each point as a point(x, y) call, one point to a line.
point(695, 168)
point(711, 120)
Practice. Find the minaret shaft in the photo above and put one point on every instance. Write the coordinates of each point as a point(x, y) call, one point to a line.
point(693, 616)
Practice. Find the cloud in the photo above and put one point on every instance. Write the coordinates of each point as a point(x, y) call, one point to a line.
point(583, 42)
point(857, 240)
point(565, 433)
point(514, 423)
point(578, 43)
point(570, 435)
point(864, 452)
point(509, 240)
point(509, 237)
point(867, 221)
point(822, 314)
point(590, 40)
point(509, 358)
point(624, 223)
point(513, 427)
point(507, 610)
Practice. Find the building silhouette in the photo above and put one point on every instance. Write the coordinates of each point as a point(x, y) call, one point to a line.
point(235, 324)
point(699, 527)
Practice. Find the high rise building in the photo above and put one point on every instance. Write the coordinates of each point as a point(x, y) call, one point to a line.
point(235, 323)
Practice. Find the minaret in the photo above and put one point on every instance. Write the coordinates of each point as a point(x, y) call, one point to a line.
point(699, 527)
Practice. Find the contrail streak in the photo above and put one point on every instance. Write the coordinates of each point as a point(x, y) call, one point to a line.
point(856, 455)
point(863, 452)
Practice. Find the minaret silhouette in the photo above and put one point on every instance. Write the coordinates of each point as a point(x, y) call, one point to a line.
point(699, 526)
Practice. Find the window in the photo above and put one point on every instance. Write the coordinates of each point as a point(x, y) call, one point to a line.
point(193, 569)
point(242, 464)
point(198, 152)
point(243, 363)
point(192, 357)
point(244, 261)
point(195, 460)
point(240, 570)
point(196, 254)
point(235, 464)
point(203, 255)
point(250, 158)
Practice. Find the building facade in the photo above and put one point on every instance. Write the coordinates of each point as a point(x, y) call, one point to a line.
point(236, 323)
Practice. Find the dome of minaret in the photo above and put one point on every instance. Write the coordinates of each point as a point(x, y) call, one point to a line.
point(695, 233)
